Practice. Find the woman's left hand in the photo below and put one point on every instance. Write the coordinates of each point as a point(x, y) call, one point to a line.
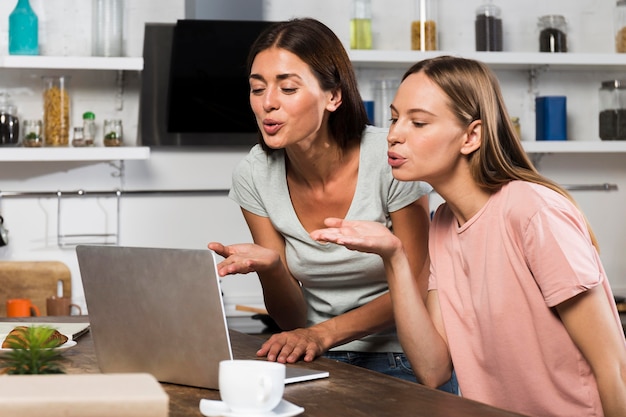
point(291, 346)
point(363, 236)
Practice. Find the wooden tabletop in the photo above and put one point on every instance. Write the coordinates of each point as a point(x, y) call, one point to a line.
point(349, 391)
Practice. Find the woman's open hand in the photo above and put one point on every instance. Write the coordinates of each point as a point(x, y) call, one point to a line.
point(363, 236)
point(243, 258)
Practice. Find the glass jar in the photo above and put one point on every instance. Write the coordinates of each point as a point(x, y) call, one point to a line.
point(9, 121)
point(89, 128)
point(107, 27)
point(425, 23)
point(56, 111)
point(113, 135)
point(620, 26)
point(384, 92)
point(612, 117)
point(552, 33)
point(488, 27)
point(361, 25)
point(78, 140)
point(33, 137)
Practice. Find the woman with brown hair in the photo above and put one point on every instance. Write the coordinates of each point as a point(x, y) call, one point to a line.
point(317, 158)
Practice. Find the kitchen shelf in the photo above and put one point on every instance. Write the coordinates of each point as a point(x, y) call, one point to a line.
point(74, 154)
point(557, 146)
point(496, 60)
point(72, 62)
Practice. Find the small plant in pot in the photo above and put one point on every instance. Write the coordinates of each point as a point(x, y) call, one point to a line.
point(32, 351)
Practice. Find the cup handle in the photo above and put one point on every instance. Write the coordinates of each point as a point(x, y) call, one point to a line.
point(80, 311)
point(266, 388)
point(34, 309)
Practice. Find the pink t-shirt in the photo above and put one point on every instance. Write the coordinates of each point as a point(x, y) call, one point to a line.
point(498, 277)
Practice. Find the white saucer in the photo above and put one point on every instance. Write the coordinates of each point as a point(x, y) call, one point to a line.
point(211, 408)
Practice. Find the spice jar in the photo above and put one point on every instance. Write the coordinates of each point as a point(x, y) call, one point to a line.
point(78, 140)
point(424, 26)
point(612, 117)
point(56, 111)
point(9, 121)
point(553, 33)
point(361, 25)
point(488, 27)
point(620, 26)
point(32, 134)
point(89, 128)
point(113, 132)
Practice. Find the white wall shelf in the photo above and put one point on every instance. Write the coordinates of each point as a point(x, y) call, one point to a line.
point(74, 154)
point(557, 146)
point(495, 60)
point(72, 62)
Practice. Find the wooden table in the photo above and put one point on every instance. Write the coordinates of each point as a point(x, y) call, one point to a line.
point(349, 391)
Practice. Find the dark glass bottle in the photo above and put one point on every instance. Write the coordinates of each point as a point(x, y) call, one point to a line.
point(23, 30)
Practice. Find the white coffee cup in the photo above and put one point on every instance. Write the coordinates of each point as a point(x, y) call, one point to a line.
point(251, 386)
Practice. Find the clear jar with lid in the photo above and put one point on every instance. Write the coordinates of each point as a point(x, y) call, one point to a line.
point(89, 128)
point(33, 137)
point(78, 140)
point(620, 26)
point(552, 33)
point(612, 117)
point(56, 111)
point(113, 134)
point(488, 27)
point(9, 121)
point(424, 26)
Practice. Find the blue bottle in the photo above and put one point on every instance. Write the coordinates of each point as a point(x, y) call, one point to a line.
point(23, 30)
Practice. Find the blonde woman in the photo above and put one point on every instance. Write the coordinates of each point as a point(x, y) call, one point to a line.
point(518, 304)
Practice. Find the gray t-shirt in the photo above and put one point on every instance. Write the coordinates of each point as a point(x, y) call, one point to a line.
point(334, 279)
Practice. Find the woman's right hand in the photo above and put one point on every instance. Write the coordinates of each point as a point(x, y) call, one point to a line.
point(363, 236)
point(243, 258)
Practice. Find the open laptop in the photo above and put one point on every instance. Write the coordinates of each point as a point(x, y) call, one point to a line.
point(160, 311)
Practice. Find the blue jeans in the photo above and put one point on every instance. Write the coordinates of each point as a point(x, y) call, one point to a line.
point(388, 363)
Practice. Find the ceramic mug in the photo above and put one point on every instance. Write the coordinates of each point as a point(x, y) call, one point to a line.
point(251, 386)
point(21, 307)
point(60, 306)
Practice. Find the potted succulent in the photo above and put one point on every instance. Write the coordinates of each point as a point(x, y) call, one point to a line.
point(32, 351)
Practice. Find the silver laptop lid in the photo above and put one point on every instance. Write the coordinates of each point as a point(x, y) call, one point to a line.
point(156, 310)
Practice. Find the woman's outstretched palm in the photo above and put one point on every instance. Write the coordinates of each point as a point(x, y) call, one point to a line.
point(363, 236)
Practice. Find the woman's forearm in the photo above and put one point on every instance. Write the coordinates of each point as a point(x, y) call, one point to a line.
point(422, 339)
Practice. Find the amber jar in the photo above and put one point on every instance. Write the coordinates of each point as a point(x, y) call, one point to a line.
point(424, 26)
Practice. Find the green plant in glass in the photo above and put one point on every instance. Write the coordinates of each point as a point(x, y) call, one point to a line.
point(32, 352)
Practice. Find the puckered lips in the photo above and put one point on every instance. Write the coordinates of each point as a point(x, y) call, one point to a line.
point(271, 126)
point(395, 160)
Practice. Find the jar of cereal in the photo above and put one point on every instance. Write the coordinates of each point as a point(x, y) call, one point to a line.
point(56, 110)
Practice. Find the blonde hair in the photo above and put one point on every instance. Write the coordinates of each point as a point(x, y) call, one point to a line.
point(475, 94)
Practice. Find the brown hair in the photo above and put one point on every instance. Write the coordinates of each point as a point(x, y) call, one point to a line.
point(475, 94)
point(319, 47)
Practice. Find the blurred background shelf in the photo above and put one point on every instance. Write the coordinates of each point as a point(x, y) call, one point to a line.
point(74, 154)
point(72, 62)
